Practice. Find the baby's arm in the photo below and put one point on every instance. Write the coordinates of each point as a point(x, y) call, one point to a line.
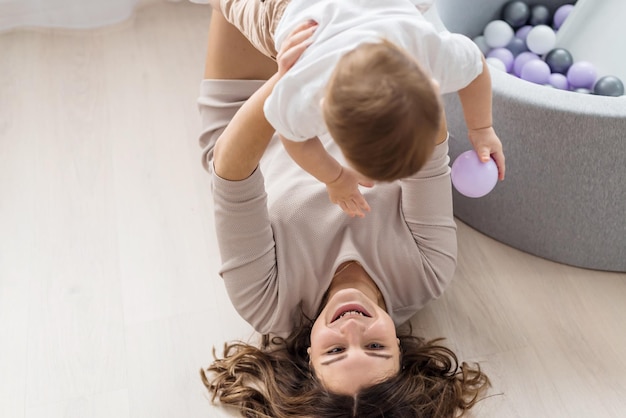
point(341, 182)
point(476, 101)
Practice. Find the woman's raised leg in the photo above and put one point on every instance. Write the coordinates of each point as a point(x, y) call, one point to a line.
point(231, 56)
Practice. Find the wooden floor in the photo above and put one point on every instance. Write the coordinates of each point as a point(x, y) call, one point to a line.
point(109, 296)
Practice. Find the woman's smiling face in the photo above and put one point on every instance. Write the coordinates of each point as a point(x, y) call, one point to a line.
point(353, 343)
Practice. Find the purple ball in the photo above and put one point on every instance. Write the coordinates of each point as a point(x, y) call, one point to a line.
point(558, 81)
point(536, 71)
point(522, 32)
point(561, 14)
point(521, 60)
point(503, 55)
point(471, 177)
point(582, 74)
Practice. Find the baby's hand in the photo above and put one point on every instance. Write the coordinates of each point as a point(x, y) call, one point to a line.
point(487, 145)
point(344, 191)
point(294, 45)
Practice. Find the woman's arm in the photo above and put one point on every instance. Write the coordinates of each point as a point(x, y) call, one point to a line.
point(242, 144)
point(242, 224)
point(427, 209)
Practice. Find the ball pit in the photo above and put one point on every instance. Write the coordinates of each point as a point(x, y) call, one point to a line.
point(564, 196)
point(533, 28)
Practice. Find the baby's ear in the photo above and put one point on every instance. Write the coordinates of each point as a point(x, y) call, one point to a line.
point(322, 103)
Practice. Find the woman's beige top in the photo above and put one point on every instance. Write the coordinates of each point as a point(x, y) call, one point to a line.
point(281, 239)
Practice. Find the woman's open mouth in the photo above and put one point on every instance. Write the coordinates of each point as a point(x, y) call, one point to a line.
point(350, 309)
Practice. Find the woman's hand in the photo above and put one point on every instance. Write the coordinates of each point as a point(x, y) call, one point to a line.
point(344, 191)
point(294, 45)
point(487, 145)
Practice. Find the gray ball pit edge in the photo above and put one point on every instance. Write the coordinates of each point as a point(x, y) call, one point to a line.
point(564, 196)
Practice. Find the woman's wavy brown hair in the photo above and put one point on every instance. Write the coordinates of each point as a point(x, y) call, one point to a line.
point(276, 381)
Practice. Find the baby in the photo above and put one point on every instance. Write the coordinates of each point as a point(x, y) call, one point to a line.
point(371, 78)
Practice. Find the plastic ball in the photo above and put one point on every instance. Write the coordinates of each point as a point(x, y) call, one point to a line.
point(581, 74)
point(515, 13)
point(609, 86)
point(539, 15)
point(561, 14)
point(522, 32)
point(541, 39)
point(516, 46)
point(559, 60)
point(558, 81)
point(482, 44)
point(536, 71)
point(521, 60)
point(471, 177)
point(498, 33)
point(503, 55)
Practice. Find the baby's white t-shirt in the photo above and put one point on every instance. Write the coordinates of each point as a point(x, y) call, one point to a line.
point(294, 109)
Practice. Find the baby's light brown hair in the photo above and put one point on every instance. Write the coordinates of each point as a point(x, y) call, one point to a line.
point(383, 111)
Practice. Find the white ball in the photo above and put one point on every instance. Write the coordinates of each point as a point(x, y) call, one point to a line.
point(498, 33)
point(541, 39)
point(496, 63)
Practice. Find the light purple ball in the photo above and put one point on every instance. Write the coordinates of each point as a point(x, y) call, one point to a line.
point(504, 55)
point(471, 177)
point(558, 81)
point(561, 14)
point(521, 60)
point(582, 74)
point(536, 71)
point(522, 32)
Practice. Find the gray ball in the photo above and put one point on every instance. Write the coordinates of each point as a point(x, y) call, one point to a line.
point(609, 86)
point(515, 13)
point(559, 60)
point(540, 15)
point(517, 46)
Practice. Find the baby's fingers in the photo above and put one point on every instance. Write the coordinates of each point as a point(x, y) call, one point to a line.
point(498, 157)
point(348, 208)
point(362, 205)
point(295, 44)
point(300, 34)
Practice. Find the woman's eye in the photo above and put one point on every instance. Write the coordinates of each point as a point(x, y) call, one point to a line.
point(335, 350)
point(375, 346)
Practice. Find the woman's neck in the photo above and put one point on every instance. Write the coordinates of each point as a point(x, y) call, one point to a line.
point(351, 275)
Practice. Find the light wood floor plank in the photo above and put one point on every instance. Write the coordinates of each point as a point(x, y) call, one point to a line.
point(110, 301)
